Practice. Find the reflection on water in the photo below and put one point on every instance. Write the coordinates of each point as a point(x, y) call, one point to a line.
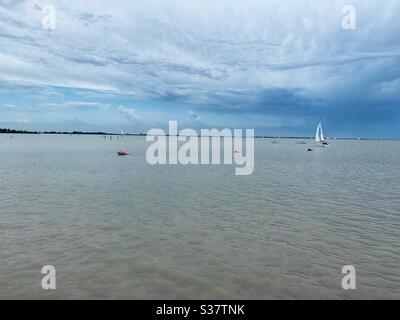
point(115, 227)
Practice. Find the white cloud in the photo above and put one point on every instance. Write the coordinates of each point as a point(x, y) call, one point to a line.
point(87, 105)
point(8, 106)
point(193, 117)
point(23, 120)
point(81, 105)
point(390, 88)
point(129, 113)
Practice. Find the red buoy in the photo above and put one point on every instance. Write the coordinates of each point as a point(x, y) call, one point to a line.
point(123, 153)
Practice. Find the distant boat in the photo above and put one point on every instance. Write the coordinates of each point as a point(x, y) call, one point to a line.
point(319, 136)
point(301, 142)
point(123, 153)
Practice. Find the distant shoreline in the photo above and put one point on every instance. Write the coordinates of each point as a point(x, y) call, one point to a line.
point(25, 132)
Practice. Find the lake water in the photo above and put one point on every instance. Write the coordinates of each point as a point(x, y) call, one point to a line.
point(116, 227)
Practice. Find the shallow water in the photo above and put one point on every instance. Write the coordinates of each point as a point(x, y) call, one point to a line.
point(116, 227)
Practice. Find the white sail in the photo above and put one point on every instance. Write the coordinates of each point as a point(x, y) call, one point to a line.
point(321, 133)
point(319, 136)
point(317, 133)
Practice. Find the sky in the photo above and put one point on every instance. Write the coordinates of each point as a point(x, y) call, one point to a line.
point(277, 66)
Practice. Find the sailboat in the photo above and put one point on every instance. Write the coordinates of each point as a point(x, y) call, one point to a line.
point(319, 136)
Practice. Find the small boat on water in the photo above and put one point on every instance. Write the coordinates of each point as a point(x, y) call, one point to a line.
point(319, 136)
point(123, 153)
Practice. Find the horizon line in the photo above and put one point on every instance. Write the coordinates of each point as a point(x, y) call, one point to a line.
point(27, 132)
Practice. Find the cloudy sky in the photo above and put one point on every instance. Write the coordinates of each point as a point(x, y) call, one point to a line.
point(276, 66)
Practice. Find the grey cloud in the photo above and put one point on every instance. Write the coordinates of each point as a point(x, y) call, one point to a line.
point(11, 3)
point(263, 54)
point(88, 18)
